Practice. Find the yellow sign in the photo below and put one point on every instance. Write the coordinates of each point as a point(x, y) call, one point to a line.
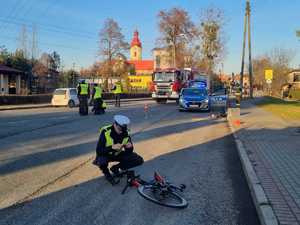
point(269, 74)
point(141, 81)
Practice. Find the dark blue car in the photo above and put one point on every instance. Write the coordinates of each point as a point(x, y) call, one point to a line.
point(194, 99)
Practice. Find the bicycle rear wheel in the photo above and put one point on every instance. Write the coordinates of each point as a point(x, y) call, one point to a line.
point(169, 199)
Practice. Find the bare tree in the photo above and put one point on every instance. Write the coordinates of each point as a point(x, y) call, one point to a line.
point(176, 30)
point(281, 64)
point(212, 38)
point(111, 44)
point(277, 59)
point(260, 64)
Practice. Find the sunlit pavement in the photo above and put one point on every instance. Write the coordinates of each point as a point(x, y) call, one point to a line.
point(46, 155)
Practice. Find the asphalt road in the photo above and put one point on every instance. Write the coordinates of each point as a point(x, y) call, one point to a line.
point(45, 159)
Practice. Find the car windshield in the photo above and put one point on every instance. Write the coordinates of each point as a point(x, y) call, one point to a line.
point(73, 91)
point(59, 92)
point(199, 92)
point(164, 76)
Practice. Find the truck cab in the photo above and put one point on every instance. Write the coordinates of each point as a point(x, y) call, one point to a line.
point(166, 84)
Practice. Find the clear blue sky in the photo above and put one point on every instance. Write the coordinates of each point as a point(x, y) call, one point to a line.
point(71, 27)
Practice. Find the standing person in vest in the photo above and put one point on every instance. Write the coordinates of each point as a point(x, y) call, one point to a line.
point(117, 90)
point(83, 94)
point(115, 145)
point(97, 99)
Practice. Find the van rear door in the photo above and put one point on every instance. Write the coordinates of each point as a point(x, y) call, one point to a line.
point(60, 96)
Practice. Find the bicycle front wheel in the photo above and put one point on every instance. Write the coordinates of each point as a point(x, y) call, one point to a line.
point(169, 198)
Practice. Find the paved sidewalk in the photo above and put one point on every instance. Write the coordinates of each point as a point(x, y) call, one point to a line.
point(32, 106)
point(273, 147)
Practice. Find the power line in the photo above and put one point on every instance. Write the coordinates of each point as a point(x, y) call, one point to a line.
point(49, 29)
point(14, 12)
point(50, 5)
point(28, 9)
point(51, 44)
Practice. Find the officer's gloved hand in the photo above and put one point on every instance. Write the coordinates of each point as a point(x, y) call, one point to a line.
point(129, 145)
point(117, 147)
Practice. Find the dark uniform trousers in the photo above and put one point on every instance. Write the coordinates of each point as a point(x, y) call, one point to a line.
point(127, 160)
point(118, 100)
point(83, 105)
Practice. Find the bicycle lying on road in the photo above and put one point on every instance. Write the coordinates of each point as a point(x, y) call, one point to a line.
point(157, 190)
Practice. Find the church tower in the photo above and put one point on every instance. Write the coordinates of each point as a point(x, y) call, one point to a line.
point(136, 47)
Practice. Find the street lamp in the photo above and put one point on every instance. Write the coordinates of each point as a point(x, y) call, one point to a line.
point(174, 48)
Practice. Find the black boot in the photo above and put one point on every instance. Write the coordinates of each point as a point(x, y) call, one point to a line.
point(110, 178)
point(115, 170)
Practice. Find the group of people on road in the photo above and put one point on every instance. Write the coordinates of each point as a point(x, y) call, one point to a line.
point(99, 106)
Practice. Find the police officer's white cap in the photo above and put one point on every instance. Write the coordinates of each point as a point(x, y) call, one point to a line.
point(122, 120)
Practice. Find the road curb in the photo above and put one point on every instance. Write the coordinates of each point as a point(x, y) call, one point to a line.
point(49, 105)
point(263, 207)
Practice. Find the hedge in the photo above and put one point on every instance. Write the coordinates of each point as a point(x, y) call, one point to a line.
point(294, 94)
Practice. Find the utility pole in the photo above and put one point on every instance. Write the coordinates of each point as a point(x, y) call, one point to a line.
point(174, 55)
point(23, 41)
point(34, 43)
point(247, 28)
point(73, 75)
point(249, 48)
point(33, 56)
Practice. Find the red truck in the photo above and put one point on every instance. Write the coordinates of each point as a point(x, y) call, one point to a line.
point(167, 83)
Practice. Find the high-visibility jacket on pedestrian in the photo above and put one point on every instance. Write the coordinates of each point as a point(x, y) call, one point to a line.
point(98, 93)
point(118, 89)
point(84, 89)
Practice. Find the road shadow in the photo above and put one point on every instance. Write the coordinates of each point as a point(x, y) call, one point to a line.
point(42, 121)
point(59, 154)
point(216, 191)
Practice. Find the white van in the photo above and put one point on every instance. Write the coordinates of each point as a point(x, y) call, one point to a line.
point(65, 97)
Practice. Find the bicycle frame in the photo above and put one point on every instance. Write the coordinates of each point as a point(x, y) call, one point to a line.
point(161, 188)
point(159, 182)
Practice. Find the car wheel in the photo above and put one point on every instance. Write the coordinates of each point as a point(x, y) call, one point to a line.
point(71, 104)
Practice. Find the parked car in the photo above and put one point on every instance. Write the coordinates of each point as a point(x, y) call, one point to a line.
point(194, 99)
point(65, 97)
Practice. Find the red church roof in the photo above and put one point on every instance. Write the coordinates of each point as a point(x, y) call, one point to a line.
point(136, 40)
point(142, 64)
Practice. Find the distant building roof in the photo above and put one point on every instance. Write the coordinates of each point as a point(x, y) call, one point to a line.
point(142, 64)
point(9, 70)
point(294, 70)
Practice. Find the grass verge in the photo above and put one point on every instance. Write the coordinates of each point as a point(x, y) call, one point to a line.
point(288, 110)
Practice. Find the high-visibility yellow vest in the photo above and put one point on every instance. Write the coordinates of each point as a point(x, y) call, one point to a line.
point(108, 138)
point(84, 89)
point(118, 89)
point(98, 93)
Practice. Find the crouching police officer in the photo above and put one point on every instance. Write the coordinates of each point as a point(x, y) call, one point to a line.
point(115, 145)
